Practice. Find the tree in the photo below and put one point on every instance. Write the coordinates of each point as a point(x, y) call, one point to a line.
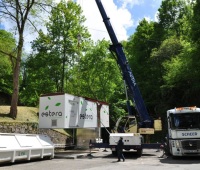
point(94, 74)
point(169, 49)
point(42, 72)
point(174, 16)
point(181, 77)
point(18, 12)
point(67, 34)
point(56, 52)
point(139, 48)
point(97, 76)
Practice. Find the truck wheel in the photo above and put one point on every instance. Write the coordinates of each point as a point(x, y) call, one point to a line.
point(139, 152)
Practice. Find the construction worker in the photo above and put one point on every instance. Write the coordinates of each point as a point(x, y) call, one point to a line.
point(120, 145)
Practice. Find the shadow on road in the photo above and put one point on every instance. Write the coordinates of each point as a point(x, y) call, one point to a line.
point(18, 162)
point(180, 160)
point(127, 155)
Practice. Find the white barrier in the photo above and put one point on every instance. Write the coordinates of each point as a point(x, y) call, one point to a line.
point(24, 147)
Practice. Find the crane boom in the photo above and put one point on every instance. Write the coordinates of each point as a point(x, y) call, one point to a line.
point(117, 48)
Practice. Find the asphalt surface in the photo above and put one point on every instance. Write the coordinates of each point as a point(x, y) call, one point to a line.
point(100, 159)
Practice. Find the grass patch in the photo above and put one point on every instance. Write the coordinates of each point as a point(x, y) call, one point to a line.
point(24, 114)
point(62, 131)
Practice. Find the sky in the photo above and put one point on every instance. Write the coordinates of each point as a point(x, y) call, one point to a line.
point(124, 16)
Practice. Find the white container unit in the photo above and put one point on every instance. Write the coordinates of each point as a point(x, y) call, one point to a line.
point(24, 147)
point(69, 111)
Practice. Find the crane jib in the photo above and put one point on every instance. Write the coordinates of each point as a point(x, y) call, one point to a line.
point(123, 63)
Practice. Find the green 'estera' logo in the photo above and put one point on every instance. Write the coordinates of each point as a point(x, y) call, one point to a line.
point(49, 113)
point(57, 104)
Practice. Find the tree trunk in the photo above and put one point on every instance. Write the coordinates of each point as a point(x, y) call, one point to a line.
point(14, 101)
point(16, 72)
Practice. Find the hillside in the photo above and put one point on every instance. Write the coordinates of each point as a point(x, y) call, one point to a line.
point(25, 114)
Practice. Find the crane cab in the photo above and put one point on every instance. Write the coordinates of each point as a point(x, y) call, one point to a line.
point(126, 124)
point(129, 124)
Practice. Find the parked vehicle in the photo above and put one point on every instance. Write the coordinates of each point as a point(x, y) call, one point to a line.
point(183, 137)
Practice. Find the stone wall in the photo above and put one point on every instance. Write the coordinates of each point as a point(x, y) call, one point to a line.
point(32, 128)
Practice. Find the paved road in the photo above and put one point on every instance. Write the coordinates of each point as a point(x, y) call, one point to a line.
point(102, 160)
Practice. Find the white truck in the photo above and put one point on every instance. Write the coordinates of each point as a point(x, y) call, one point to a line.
point(183, 131)
point(127, 128)
point(132, 141)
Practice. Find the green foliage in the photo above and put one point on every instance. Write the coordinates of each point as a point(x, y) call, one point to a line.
point(195, 22)
point(173, 70)
point(95, 73)
point(67, 35)
point(178, 77)
point(5, 75)
point(7, 44)
point(139, 48)
point(40, 78)
point(174, 16)
point(169, 48)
